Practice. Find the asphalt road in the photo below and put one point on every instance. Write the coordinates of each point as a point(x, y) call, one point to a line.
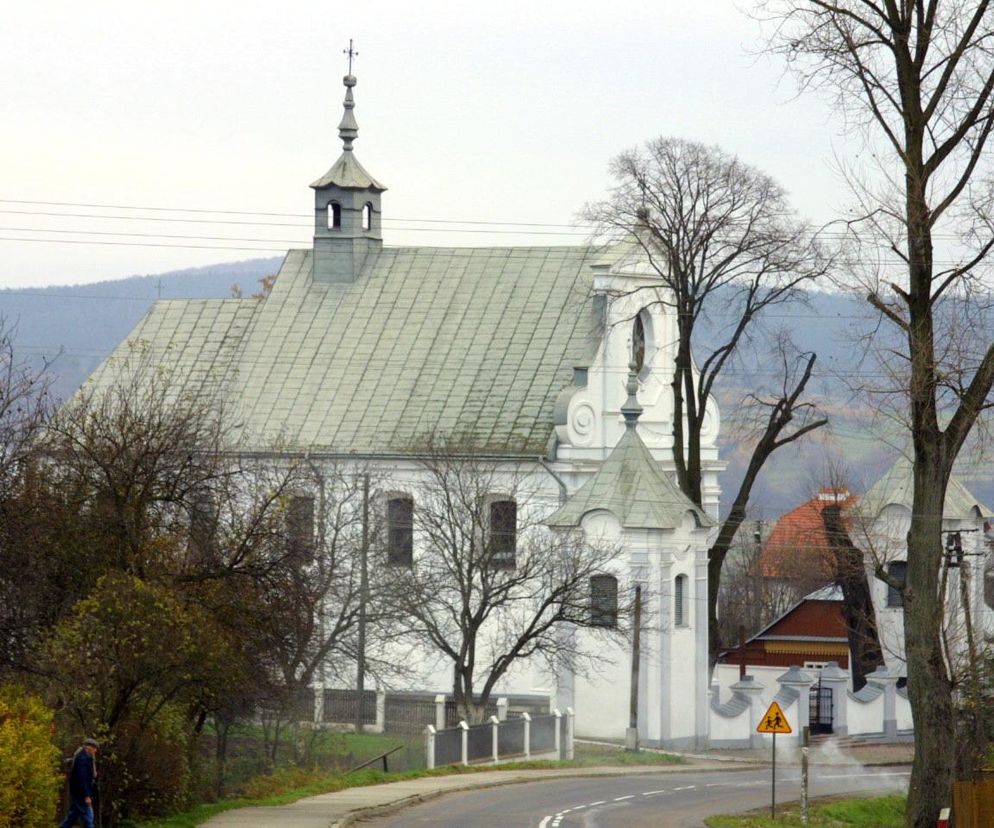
point(679, 800)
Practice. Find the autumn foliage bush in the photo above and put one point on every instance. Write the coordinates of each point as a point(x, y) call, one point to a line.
point(29, 761)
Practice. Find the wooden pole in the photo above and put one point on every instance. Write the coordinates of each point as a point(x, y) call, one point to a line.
point(742, 652)
point(631, 740)
point(363, 588)
point(805, 741)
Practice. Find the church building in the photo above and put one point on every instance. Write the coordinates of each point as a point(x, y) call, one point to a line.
point(555, 359)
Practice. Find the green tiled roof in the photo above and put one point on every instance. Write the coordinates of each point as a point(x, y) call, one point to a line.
point(897, 487)
point(634, 488)
point(471, 344)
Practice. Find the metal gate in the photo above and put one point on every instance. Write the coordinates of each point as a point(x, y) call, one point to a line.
point(820, 718)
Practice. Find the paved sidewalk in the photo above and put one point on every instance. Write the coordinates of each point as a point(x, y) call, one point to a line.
point(338, 809)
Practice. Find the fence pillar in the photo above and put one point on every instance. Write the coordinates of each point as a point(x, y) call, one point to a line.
point(528, 734)
point(570, 724)
point(429, 747)
point(464, 733)
point(752, 690)
point(502, 709)
point(559, 733)
point(837, 680)
point(495, 735)
point(381, 710)
point(883, 678)
point(439, 712)
point(800, 682)
point(318, 703)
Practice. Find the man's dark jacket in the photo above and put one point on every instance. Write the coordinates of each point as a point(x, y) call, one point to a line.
point(81, 776)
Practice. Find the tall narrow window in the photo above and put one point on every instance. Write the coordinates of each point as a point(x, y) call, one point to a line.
point(603, 601)
point(898, 571)
point(680, 601)
point(300, 526)
point(400, 531)
point(367, 216)
point(503, 533)
point(334, 215)
point(638, 342)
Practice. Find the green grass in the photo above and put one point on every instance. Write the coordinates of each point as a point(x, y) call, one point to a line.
point(290, 784)
point(879, 812)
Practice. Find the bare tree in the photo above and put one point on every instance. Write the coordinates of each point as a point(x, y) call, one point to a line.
point(727, 248)
point(488, 585)
point(916, 80)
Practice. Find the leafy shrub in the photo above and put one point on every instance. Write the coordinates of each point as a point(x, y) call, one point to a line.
point(29, 777)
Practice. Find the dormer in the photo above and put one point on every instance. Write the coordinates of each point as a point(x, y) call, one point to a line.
point(346, 208)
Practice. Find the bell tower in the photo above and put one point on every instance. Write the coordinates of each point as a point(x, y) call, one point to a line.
point(346, 205)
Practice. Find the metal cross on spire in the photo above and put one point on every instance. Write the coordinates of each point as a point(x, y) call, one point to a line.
point(352, 53)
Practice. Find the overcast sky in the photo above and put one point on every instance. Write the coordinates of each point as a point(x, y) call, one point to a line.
point(468, 112)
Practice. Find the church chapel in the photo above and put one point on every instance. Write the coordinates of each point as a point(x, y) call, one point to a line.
point(557, 360)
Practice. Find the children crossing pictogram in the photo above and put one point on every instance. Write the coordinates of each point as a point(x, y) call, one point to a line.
point(774, 721)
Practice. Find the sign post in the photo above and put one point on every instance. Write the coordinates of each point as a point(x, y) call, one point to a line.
point(774, 722)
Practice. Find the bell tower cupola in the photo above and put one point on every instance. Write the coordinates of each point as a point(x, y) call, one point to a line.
point(346, 205)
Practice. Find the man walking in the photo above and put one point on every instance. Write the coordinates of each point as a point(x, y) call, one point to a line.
point(82, 785)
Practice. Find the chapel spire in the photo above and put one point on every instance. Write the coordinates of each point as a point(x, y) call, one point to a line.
point(346, 203)
point(631, 410)
point(348, 129)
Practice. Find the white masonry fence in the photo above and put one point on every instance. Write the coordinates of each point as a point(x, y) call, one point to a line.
point(496, 741)
point(880, 710)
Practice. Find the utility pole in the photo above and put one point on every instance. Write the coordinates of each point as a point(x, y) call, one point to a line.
point(363, 589)
point(632, 736)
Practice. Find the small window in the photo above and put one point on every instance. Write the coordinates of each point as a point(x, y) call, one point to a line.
point(604, 601)
point(202, 521)
point(300, 526)
point(367, 216)
point(334, 215)
point(503, 533)
point(680, 601)
point(898, 571)
point(400, 531)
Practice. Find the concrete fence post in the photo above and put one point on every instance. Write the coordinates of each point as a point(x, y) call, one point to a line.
point(752, 690)
point(570, 724)
point(559, 733)
point(381, 710)
point(495, 735)
point(318, 703)
point(837, 680)
point(429, 747)
point(464, 733)
point(883, 678)
point(528, 735)
point(800, 682)
point(502, 709)
point(440, 712)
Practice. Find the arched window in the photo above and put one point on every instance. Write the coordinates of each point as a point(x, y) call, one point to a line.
point(898, 571)
point(334, 215)
point(680, 601)
point(638, 342)
point(400, 531)
point(367, 216)
point(989, 584)
point(300, 526)
point(503, 533)
point(603, 601)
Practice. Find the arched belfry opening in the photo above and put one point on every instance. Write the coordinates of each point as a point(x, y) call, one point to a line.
point(346, 206)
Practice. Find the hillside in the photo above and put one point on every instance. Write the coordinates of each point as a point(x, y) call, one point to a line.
point(76, 326)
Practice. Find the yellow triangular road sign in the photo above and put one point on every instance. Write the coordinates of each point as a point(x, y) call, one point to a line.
point(774, 721)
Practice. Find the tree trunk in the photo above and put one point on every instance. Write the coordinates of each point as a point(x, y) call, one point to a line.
point(929, 684)
point(857, 603)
